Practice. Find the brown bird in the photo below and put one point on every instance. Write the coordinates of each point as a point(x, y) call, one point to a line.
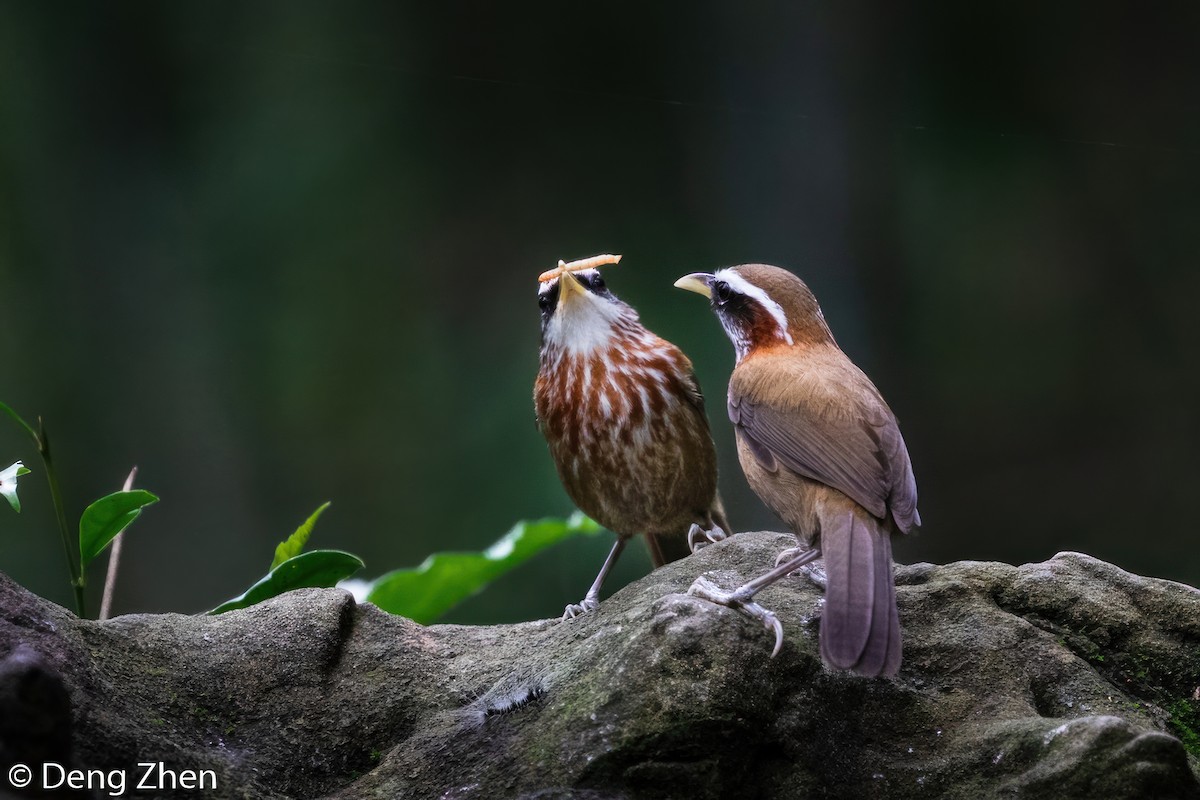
point(823, 451)
point(624, 418)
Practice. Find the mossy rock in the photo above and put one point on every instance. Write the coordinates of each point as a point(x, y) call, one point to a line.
point(1069, 678)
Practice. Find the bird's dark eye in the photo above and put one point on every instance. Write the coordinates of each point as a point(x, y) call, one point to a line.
point(721, 292)
point(591, 281)
point(547, 300)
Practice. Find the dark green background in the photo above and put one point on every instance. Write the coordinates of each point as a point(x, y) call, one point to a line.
point(276, 254)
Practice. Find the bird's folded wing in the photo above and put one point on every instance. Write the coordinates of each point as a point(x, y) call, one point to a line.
point(682, 375)
point(835, 429)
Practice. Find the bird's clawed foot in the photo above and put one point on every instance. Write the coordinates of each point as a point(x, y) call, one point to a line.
point(699, 538)
point(814, 571)
point(585, 606)
point(740, 600)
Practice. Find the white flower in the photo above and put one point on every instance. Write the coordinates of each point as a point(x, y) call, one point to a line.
point(8, 484)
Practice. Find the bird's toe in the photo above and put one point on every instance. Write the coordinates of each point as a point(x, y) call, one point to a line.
point(699, 538)
point(815, 572)
point(790, 554)
point(707, 590)
point(585, 606)
point(787, 555)
point(769, 621)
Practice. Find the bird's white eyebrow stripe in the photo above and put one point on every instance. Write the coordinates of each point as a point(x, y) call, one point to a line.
point(743, 286)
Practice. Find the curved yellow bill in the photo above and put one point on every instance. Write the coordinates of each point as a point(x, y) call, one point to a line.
point(568, 285)
point(698, 282)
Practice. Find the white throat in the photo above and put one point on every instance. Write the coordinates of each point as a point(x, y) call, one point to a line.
point(587, 324)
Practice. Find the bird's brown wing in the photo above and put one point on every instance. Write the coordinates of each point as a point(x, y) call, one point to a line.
point(695, 397)
point(826, 421)
point(688, 384)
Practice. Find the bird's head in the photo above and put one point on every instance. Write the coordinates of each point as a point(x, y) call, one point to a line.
point(580, 314)
point(761, 307)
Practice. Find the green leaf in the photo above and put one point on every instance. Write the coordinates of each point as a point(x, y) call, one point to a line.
point(446, 579)
point(107, 517)
point(294, 544)
point(317, 569)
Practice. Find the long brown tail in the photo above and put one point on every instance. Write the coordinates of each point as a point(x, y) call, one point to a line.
point(668, 547)
point(860, 629)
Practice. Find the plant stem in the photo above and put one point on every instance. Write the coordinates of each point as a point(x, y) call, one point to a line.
point(43, 447)
point(110, 579)
point(77, 579)
point(24, 425)
point(114, 561)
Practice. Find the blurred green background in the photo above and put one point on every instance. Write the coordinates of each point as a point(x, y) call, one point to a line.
point(279, 253)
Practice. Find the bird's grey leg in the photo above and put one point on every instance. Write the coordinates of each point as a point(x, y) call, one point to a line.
point(592, 599)
point(699, 537)
point(814, 571)
point(751, 588)
point(740, 598)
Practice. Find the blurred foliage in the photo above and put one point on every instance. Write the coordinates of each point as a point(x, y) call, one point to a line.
point(443, 580)
point(100, 522)
point(315, 569)
point(272, 252)
point(107, 517)
point(422, 594)
point(293, 569)
point(294, 544)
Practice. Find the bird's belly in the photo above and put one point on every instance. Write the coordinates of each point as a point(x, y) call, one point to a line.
point(656, 477)
point(630, 445)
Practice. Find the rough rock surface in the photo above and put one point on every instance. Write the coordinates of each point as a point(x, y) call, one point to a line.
point(1069, 678)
